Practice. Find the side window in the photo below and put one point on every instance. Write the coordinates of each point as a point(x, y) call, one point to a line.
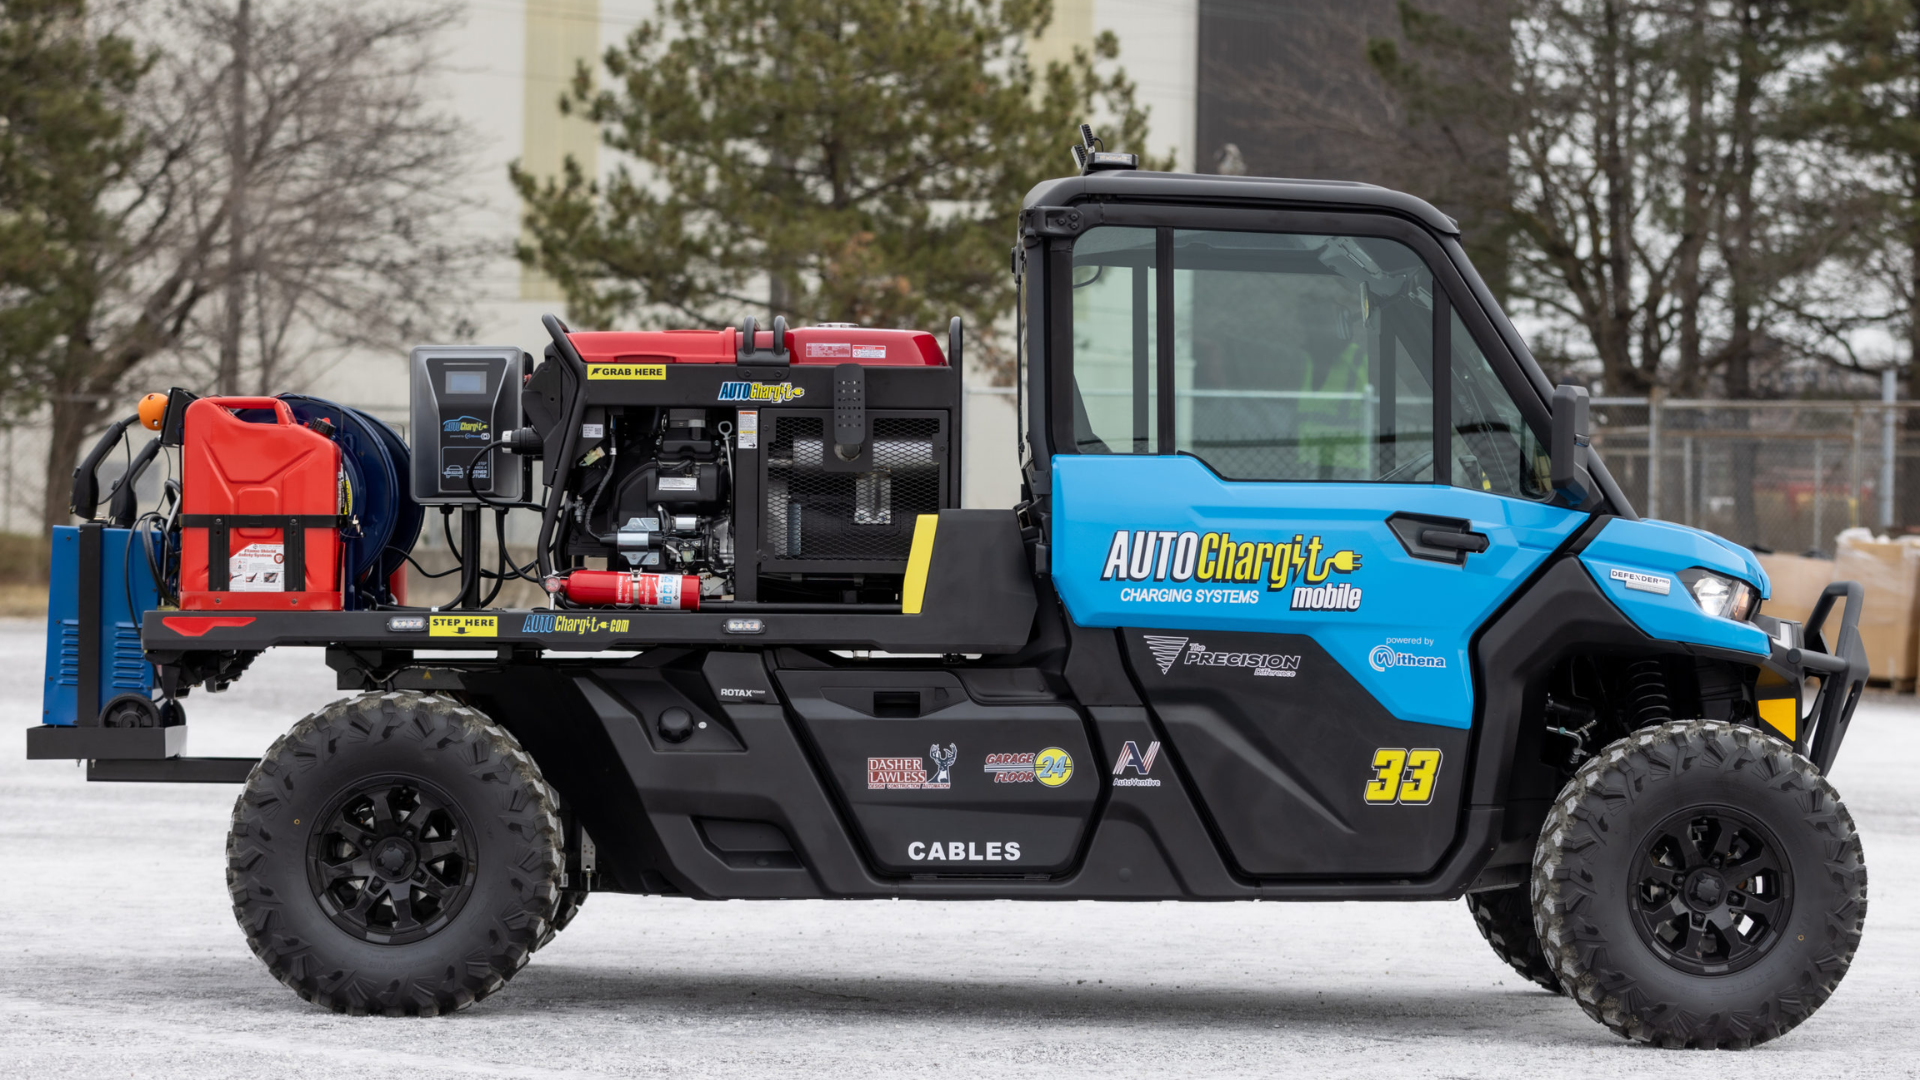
point(1116, 392)
point(1493, 448)
point(1303, 357)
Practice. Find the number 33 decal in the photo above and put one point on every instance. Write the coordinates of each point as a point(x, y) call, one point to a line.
point(1403, 776)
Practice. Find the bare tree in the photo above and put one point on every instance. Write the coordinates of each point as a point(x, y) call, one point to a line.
point(348, 178)
point(296, 195)
point(1300, 92)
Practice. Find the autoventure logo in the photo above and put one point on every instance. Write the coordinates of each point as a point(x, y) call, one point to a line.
point(1140, 763)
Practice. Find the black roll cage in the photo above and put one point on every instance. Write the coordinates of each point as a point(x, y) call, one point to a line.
point(1048, 234)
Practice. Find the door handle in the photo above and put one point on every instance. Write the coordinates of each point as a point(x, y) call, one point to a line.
point(1469, 542)
point(1437, 539)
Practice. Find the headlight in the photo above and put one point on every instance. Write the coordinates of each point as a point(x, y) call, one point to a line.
point(1719, 595)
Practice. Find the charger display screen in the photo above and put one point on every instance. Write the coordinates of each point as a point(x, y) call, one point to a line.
point(466, 382)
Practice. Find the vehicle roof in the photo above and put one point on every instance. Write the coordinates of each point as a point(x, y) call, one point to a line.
point(1263, 190)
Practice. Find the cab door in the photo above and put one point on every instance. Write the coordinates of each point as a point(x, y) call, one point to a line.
point(1296, 537)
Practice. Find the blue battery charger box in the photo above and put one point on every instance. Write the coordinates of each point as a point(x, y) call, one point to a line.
point(122, 590)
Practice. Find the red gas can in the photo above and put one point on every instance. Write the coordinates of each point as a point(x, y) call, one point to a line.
point(260, 514)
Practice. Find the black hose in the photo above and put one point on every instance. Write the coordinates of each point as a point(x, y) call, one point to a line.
point(85, 497)
point(509, 568)
point(569, 439)
point(488, 500)
point(423, 570)
point(500, 575)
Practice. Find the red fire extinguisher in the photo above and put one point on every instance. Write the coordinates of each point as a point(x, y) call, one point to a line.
point(615, 588)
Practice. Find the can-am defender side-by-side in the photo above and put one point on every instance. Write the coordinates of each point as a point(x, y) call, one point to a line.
point(1316, 592)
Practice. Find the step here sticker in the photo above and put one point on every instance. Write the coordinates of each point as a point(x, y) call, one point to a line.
point(463, 626)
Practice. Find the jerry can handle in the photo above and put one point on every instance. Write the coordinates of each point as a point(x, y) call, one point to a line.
point(281, 409)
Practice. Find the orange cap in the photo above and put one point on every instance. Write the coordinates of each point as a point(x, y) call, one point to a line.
point(153, 411)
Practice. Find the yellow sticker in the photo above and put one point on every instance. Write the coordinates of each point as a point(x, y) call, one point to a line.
point(1053, 766)
point(1388, 764)
point(626, 371)
point(1406, 777)
point(1783, 714)
point(463, 626)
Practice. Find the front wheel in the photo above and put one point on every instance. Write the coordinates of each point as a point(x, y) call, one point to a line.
point(1699, 884)
point(395, 853)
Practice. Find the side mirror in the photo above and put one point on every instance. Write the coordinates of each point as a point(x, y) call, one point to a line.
point(1568, 447)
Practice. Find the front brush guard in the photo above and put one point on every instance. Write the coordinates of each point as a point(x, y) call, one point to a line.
point(1842, 670)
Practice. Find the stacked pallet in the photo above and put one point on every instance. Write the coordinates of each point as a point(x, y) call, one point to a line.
point(1888, 569)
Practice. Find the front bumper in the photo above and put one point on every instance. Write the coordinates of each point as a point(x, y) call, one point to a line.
point(1841, 671)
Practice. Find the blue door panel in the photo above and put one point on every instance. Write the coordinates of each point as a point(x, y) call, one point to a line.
point(1137, 542)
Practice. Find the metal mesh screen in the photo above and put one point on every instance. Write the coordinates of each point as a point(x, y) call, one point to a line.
point(814, 514)
point(1785, 475)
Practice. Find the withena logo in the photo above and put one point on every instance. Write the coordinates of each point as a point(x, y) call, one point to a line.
point(1168, 651)
point(1386, 656)
point(1303, 564)
point(774, 393)
point(465, 427)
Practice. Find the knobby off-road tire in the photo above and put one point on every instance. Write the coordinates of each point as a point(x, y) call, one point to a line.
point(395, 853)
point(566, 905)
point(1699, 884)
point(1505, 919)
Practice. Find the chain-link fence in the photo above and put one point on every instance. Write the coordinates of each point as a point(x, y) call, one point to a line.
point(1776, 475)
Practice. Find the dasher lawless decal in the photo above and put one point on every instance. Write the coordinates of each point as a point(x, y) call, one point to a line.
point(912, 773)
point(1191, 561)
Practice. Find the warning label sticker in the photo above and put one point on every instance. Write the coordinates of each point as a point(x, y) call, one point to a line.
point(748, 432)
point(830, 350)
point(463, 626)
point(258, 568)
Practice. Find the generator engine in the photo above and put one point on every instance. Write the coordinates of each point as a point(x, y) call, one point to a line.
point(786, 466)
point(657, 495)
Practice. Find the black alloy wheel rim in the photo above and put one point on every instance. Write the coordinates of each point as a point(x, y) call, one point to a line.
point(1711, 891)
point(391, 861)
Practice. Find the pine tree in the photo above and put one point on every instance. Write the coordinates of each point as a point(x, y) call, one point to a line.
point(825, 160)
point(64, 143)
point(1864, 102)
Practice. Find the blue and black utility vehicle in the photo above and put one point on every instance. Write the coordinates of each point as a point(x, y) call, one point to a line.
point(1317, 591)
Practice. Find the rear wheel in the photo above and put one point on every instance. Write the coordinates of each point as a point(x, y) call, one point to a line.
point(395, 853)
point(1505, 919)
point(568, 907)
point(1699, 884)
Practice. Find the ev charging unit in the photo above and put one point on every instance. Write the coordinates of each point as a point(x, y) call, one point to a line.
point(465, 398)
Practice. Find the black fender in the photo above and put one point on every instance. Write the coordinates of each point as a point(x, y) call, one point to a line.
point(1561, 613)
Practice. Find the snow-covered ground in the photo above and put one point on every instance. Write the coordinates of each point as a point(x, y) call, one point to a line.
point(119, 957)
